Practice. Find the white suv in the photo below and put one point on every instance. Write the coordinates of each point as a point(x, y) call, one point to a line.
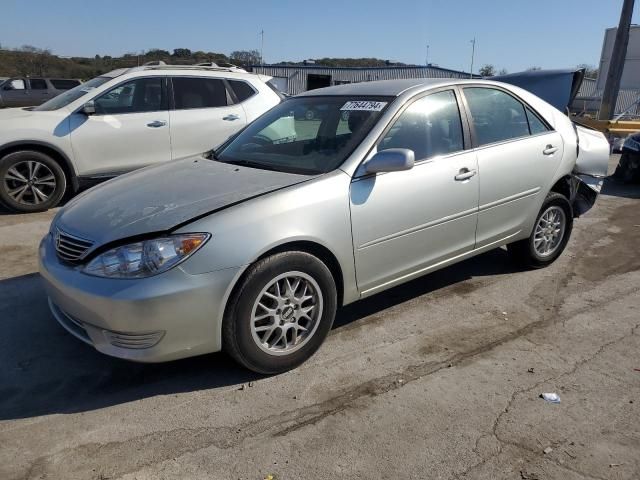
point(121, 121)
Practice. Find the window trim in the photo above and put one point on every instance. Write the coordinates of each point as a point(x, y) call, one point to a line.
point(466, 144)
point(232, 92)
point(131, 79)
point(172, 99)
point(474, 137)
point(46, 84)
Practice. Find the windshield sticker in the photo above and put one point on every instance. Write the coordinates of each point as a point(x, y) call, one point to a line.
point(364, 106)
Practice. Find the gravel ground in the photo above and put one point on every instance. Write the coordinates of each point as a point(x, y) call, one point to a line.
point(438, 378)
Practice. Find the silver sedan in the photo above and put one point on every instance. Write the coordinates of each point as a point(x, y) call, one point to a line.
point(250, 248)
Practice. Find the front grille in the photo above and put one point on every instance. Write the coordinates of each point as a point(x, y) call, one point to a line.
point(71, 248)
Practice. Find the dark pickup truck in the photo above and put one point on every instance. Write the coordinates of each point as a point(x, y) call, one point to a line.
point(27, 92)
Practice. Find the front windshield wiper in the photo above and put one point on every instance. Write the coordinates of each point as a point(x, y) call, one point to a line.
point(248, 163)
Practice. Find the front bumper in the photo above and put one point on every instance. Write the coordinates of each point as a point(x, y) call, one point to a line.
point(169, 316)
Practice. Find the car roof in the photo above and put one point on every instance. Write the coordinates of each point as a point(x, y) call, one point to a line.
point(387, 88)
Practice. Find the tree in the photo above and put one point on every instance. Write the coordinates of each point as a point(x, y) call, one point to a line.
point(533, 69)
point(487, 70)
point(589, 70)
point(245, 57)
point(503, 71)
point(181, 52)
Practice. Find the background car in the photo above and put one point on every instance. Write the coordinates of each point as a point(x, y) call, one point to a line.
point(252, 248)
point(121, 121)
point(27, 91)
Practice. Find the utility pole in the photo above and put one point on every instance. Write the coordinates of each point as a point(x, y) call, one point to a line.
point(262, 47)
point(426, 60)
point(473, 52)
point(616, 63)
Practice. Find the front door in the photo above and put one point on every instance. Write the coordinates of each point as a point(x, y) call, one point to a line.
point(130, 129)
point(15, 93)
point(405, 222)
point(203, 116)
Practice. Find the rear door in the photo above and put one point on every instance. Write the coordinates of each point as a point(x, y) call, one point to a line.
point(517, 153)
point(39, 91)
point(130, 128)
point(203, 115)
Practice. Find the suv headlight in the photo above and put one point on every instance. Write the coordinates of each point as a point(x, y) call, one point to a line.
point(146, 258)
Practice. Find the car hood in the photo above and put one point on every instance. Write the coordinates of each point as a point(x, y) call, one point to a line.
point(163, 197)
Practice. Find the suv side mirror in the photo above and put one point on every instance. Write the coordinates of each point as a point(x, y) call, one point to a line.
point(390, 160)
point(89, 108)
point(8, 86)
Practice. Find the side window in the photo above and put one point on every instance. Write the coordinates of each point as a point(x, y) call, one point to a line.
point(140, 95)
point(38, 84)
point(17, 84)
point(535, 124)
point(242, 89)
point(199, 93)
point(496, 115)
point(430, 126)
point(63, 84)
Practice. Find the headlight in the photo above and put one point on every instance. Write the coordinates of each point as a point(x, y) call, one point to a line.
point(147, 258)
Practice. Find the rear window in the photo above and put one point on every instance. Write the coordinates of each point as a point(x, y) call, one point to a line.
point(199, 93)
point(242, 90)
point(61, 84)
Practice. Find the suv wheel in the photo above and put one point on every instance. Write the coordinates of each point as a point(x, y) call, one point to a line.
point(281, 313)
point(550, 234)
point(30, 181)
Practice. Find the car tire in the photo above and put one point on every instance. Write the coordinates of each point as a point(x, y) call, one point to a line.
point(269, 329)
point(550, 234)
point(31, 181)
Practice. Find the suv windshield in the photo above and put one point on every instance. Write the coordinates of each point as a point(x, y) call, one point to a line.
point(308, 135)
point(72, 95)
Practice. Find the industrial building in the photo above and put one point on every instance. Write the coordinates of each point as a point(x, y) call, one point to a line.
point(294, 79)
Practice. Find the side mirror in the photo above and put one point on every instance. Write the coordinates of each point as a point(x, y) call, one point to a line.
point(89, 108)
point(390, 160)
point(8, 86)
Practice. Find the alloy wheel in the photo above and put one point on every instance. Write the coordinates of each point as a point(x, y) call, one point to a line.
point(286, 313)
point(549, 231)
point(30, 182)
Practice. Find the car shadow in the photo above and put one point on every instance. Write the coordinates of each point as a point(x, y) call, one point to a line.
point(47, 371)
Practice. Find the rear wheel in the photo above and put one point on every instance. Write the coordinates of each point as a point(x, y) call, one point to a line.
point(550, 234)
point(30, 181)
point(281, 313)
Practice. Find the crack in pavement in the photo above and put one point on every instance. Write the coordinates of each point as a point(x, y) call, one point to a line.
point(502, 441)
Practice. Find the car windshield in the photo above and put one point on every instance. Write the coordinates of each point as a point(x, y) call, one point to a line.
point(307, 135)
point(72, 95)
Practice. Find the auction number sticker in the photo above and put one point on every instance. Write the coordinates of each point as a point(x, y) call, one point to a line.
point(364, 106)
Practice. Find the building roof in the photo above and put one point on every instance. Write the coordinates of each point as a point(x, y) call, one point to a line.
point(382, 67)
point(384, 88)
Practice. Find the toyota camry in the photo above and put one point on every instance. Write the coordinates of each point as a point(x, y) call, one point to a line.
point(252, 247)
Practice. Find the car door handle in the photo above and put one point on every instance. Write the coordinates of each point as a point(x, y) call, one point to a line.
point(157, 124)
point(550, 150)
point(231, 117)
point(465, 174)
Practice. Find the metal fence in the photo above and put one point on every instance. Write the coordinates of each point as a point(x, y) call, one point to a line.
point(589, 97)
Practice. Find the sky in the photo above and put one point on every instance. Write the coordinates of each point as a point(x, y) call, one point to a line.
point(514, 34)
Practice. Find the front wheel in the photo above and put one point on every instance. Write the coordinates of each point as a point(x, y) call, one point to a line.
point(30, 181)
point(550, 234)
point(281, 313)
